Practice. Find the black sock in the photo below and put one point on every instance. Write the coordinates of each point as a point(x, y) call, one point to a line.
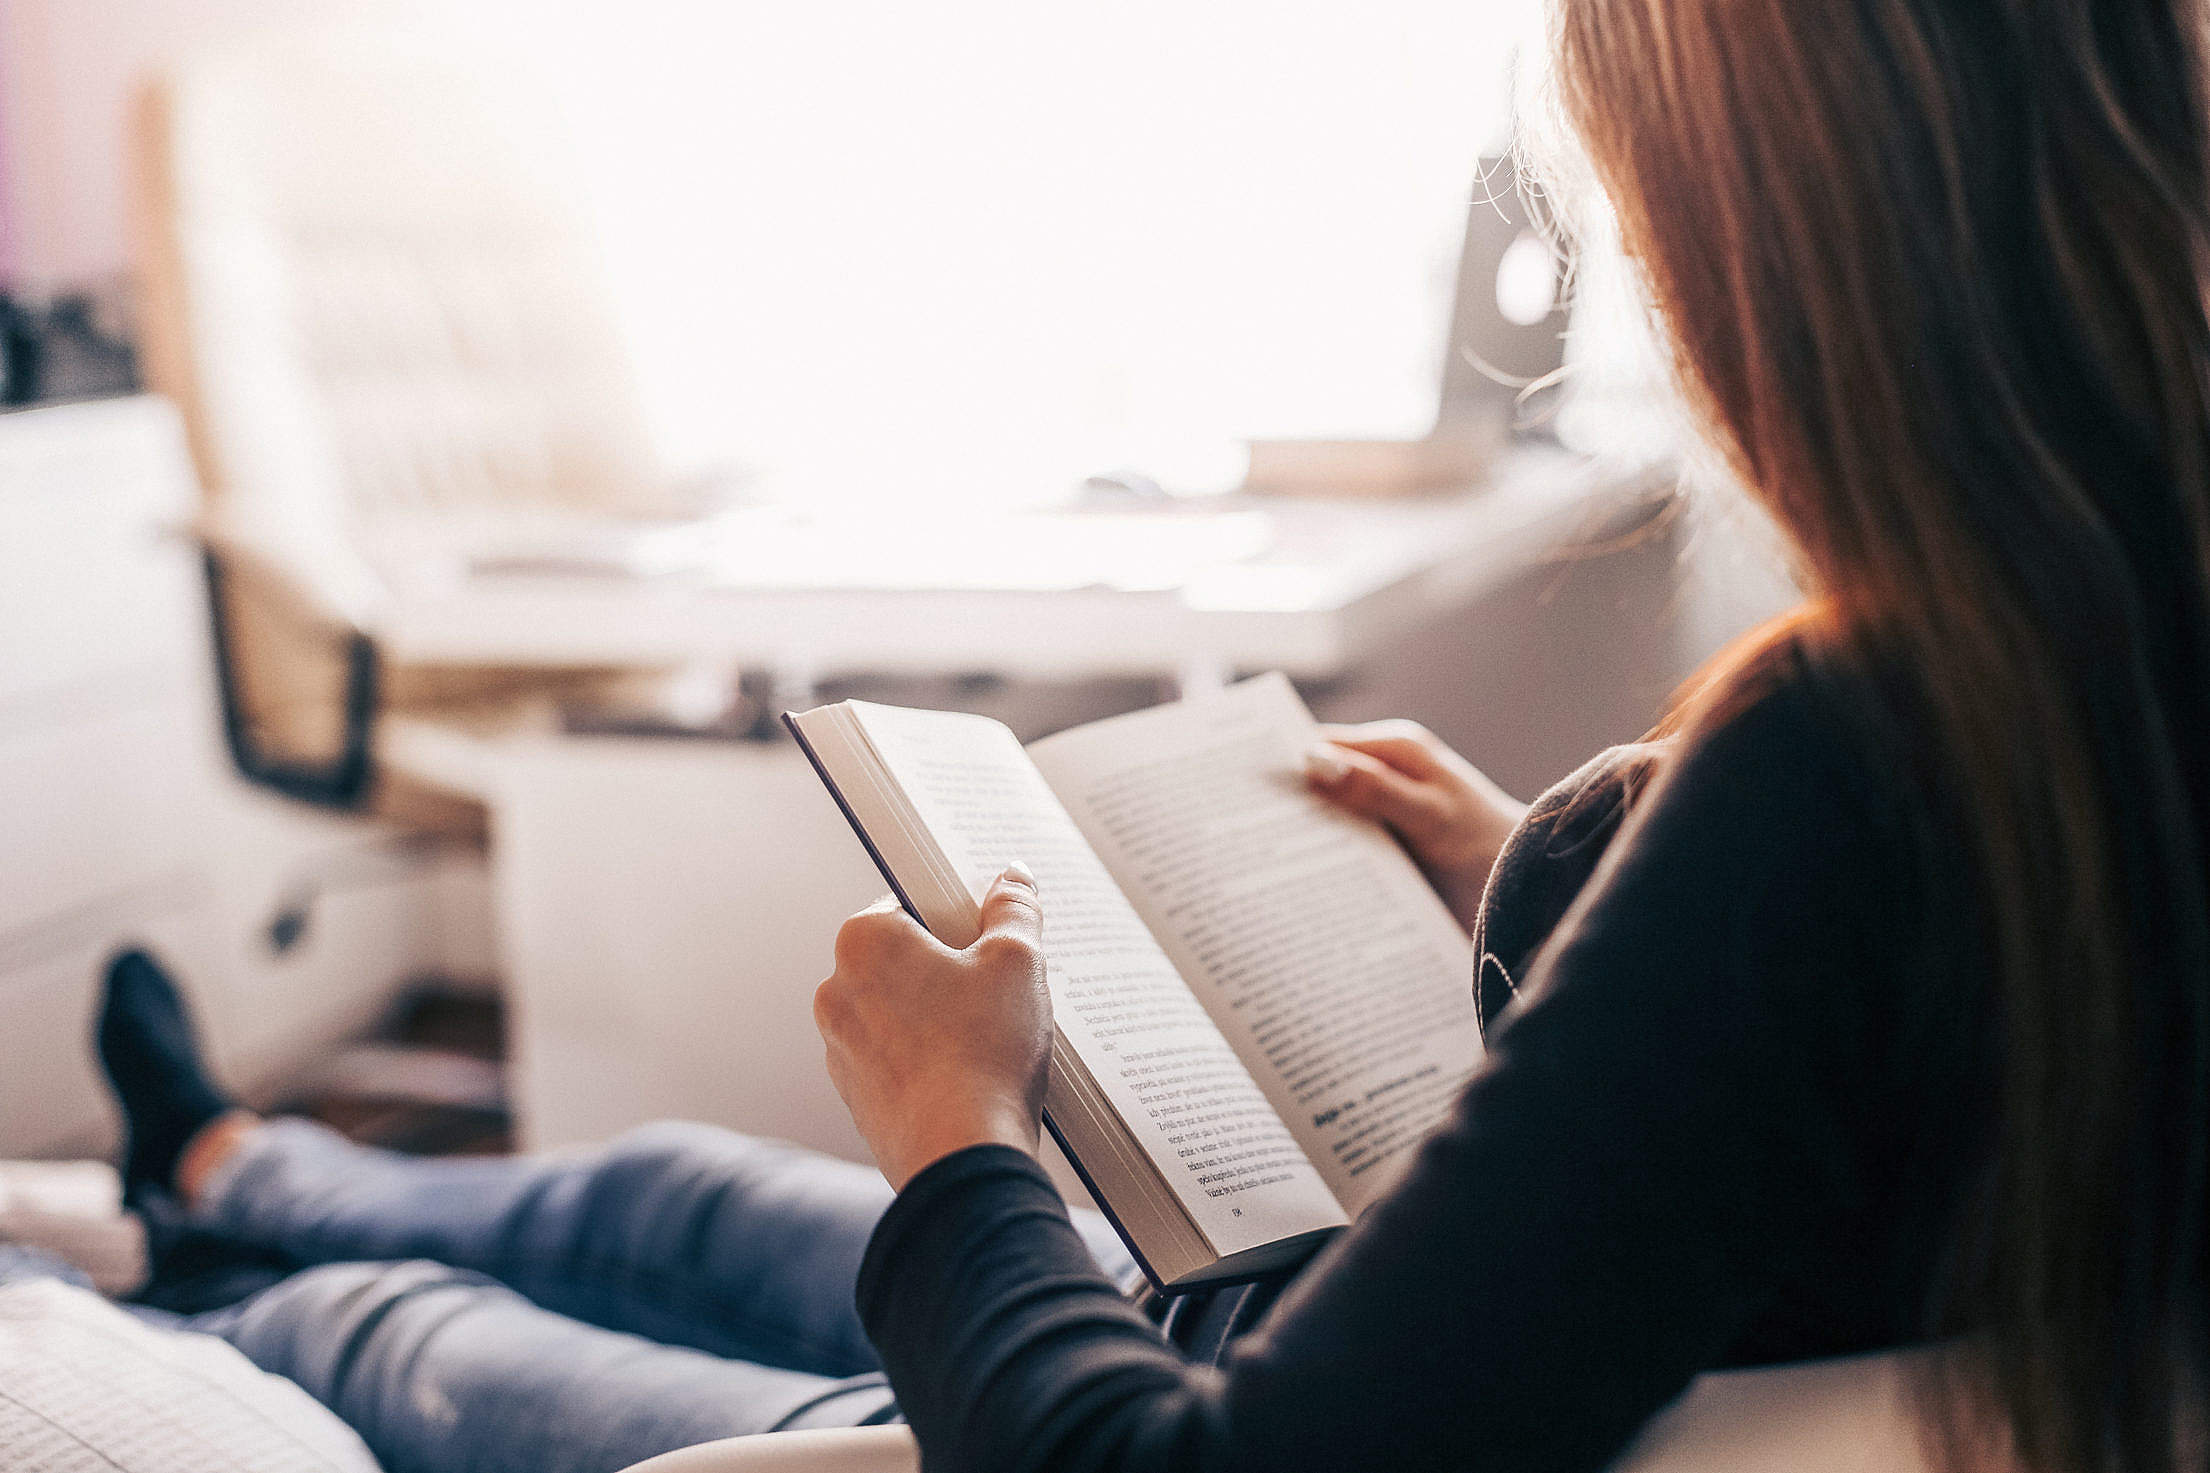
point(152, 1059)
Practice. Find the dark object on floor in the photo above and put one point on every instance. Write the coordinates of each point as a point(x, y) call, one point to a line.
point(151, 1055)
point(430, 1081)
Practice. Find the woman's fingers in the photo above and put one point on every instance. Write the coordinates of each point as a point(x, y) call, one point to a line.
point(1449, 814)
point(1404, 745)
point(1370, 785)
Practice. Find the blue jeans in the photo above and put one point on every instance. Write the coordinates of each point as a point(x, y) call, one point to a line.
point(560, 1314)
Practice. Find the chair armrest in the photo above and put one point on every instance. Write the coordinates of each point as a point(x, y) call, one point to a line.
point(839, 1450)
point(237, 579)
point(277, 583)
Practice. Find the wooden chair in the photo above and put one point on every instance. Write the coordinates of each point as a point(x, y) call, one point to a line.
point(372, 293)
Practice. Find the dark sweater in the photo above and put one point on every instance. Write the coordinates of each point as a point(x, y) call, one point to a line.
point(1725, 1117)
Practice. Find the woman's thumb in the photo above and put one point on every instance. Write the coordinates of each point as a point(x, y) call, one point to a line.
point(1012, 908)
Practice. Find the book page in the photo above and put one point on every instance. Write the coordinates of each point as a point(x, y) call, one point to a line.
point(1116, 996)
point(1315, 943)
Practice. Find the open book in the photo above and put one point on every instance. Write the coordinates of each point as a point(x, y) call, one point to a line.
point(1261, 1005)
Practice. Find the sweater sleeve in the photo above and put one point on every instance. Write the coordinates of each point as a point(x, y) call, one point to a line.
point(1669, 1127)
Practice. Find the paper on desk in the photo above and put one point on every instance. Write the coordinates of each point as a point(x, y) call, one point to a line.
point(1026, 552)
point(785, 549)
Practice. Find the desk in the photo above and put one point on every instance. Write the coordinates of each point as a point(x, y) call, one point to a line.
point(1335, 580)
point(664, 911)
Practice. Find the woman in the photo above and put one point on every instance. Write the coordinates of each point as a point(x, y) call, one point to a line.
point(1884, 1016)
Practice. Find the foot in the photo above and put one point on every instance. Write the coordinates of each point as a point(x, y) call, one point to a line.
point(152, 1059)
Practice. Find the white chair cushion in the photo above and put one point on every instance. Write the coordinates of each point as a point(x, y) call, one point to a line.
point(386, 298)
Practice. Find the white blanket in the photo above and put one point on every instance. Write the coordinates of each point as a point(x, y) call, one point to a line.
point(85, 1388)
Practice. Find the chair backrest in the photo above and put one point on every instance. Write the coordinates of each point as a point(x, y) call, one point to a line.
point(372, 291)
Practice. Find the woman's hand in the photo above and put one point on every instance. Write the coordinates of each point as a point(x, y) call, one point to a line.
point(935, 1050)
point(1447, 812)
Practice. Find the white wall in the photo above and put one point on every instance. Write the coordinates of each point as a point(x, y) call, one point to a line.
point(930, 245)
point(68, 69)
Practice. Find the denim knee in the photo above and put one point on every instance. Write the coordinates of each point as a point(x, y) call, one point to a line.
point(315, 1325)
point(662, 1143)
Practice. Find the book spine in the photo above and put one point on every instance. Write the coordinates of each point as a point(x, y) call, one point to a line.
point(1127, 1238)
point(905, 901)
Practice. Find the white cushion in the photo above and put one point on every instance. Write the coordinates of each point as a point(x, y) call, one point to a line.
point(1835, 1416)
point(1839, 1416)
point(85, 1388)
point(74, 1210)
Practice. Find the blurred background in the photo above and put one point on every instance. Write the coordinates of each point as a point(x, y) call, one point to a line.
point(443, 434)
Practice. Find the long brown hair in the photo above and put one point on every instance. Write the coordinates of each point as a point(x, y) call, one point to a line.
point(1933, 273)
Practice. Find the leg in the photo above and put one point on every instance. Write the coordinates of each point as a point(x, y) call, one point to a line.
point(682, 1233)
point(687, 1234)
point(441, 1370)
